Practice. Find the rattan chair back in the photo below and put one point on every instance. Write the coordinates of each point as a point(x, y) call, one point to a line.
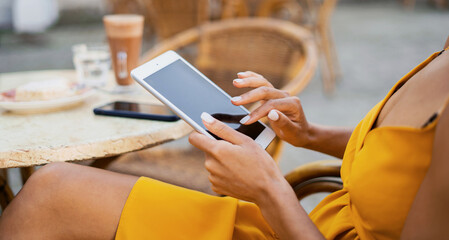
point(313, 14)
point(281, 51)
point(282, 9)
point(170, 17)
point(226, 49)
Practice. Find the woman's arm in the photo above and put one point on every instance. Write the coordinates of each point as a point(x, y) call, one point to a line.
point(429, 215)
point(287, 118)
point(282, 210)
point(328, 140)
point(240, 168)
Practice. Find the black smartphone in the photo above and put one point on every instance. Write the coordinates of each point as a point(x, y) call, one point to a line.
point(137, 110)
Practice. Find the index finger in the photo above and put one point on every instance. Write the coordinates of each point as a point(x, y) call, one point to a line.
point(248, 74)
point(284, 105)
point(261, 93)
point(252, 82)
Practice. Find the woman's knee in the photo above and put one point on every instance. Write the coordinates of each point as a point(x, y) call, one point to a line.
point(41, 192)
point(49, 175)
point(47, 183)
point(50, 172)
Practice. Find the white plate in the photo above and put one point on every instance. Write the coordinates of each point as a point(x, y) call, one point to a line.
point(45, 105)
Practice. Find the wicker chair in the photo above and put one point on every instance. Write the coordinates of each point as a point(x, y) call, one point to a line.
point(169, 17)
point(283, 52)
point(289, 10)
point(313, 14)
point(126, 6)
point(442, 4)
point(315, 177)
point(321, 26)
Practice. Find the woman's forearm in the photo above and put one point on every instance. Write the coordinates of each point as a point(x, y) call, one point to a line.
point(282, 211)
point(328, 140)
point(279, 204)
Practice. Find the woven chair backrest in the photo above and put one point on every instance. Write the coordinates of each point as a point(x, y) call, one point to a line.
point(262, 47)
point(170, 17)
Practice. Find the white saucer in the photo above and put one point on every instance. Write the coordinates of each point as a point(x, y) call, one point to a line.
point(26, 107)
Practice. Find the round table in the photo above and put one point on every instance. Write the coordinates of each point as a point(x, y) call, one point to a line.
point(76, 133)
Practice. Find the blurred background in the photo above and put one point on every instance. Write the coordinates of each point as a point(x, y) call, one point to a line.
point(376, 43)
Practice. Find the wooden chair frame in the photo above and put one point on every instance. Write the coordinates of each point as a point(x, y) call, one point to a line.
point(315, 177)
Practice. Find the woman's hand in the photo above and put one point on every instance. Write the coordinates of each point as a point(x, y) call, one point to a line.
point(241, 169)
point(238, 166)
point(284, 112)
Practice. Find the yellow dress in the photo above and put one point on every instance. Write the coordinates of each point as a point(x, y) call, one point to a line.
point(157, 210)
point(382, 171)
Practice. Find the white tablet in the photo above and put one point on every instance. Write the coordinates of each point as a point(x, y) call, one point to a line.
point(188, 93)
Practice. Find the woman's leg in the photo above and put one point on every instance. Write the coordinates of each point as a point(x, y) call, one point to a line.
point(67, 201)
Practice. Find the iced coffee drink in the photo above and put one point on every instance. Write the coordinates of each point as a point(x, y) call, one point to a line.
point(124, 32)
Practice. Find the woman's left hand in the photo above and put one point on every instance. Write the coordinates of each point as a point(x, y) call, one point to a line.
point(238, 166)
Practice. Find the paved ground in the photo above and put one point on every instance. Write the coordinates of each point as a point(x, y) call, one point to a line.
point(377, 43)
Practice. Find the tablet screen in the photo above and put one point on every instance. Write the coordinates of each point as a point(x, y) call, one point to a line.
point(193, 95)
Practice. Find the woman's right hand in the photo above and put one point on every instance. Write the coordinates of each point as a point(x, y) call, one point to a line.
point(284, 112)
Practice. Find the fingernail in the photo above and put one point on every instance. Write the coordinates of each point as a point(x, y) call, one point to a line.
point(241, 73)
point(236, 99)
point(207, 117)
point(238, 80)
point(245, 119)
point(273, 115)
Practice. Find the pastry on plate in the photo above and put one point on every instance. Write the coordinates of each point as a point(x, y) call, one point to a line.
point(43, 90)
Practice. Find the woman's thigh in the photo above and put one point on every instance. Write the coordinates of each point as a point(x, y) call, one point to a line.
point(67, 201)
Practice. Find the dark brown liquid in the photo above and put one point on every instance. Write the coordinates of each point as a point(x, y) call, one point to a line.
point(130, 45)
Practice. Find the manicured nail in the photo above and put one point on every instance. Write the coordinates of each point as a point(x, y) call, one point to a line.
point(273, 115)
point(238, 80)
point(245, 119)
point(236, 99)
point(241, 73)
point(207, 117)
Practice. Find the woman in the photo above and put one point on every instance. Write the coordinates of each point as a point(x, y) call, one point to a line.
point(395, 168)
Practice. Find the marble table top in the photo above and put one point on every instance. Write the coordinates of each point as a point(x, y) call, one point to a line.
point(76, 133)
